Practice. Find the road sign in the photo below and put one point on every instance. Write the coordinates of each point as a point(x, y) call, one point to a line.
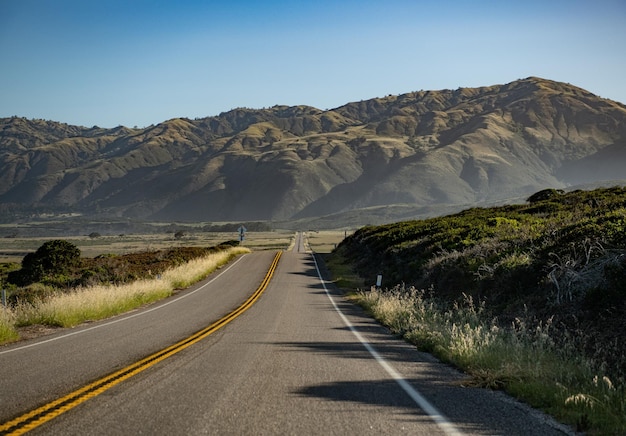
point(242, 232)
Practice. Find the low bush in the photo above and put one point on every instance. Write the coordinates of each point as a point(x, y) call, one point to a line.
point(51, 262)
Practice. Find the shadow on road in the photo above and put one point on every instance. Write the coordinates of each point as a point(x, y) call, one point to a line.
point(471, 410)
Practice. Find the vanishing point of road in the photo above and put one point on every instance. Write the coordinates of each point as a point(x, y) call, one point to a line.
point(300, 360)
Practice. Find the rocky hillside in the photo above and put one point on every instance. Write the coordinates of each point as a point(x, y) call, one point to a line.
point(426, 150)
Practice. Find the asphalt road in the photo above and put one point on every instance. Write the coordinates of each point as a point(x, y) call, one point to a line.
point(300, 361)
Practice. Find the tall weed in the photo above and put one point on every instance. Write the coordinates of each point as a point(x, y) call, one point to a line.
point(8, 332)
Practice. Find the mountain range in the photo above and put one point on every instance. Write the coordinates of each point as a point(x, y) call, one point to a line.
point(382, 159)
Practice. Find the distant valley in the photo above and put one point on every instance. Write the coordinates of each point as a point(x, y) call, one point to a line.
point(369, 162)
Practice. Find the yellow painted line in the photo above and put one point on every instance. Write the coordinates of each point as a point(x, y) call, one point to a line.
point(37, 417)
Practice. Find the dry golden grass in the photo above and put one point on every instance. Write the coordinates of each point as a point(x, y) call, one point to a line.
point(523, 360)
point(99, 302)
point(325, 241)
point(8, 332)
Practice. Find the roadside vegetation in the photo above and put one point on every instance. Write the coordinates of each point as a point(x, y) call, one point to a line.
point(56, 287)
point(530, 299)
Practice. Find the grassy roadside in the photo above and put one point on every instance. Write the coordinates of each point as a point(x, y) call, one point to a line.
point(522, 360)
point(525, 298)
point(92, 303)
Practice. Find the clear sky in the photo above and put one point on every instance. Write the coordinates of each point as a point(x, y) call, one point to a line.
point(140, 62)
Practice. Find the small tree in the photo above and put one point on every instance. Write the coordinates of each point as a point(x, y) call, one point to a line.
point(545, 194)
point(53, 258)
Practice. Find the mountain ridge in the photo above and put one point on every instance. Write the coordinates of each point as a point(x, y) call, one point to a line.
point(425, 148)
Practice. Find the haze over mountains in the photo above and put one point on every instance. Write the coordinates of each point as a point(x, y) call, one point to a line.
point(379, 160)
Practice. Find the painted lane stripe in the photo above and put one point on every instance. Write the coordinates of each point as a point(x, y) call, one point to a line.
point(444, 424)
point(39, 416)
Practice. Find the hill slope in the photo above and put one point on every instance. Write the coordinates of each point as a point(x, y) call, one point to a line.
point(434, 149)
point(559, 259)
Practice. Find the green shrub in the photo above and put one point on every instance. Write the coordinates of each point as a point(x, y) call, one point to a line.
point(546, 194)
point(50, 262)
point(229, 243)
point(31, 294)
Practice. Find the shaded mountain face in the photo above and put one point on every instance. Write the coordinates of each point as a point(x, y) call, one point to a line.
point(421, 149)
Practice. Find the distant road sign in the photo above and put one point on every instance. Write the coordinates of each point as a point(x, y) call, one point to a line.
point(242, 233)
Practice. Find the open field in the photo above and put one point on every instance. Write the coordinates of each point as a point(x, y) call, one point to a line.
point(324, 241)
point(14, 249)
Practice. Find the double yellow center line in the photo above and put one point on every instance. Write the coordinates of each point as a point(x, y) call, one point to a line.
point(39, 416)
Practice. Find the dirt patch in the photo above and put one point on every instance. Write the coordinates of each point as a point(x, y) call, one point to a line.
point(36, 331)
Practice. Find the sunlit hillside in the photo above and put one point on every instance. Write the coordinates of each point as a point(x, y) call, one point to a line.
point(415, 153)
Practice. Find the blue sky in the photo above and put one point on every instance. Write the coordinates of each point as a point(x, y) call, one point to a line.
point(140, 62)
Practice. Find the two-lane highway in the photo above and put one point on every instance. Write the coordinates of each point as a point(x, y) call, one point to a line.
point(38, 371)
point(300, 361)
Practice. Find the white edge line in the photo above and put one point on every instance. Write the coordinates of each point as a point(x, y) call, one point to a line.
point(123, 318)
point(419, 399)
